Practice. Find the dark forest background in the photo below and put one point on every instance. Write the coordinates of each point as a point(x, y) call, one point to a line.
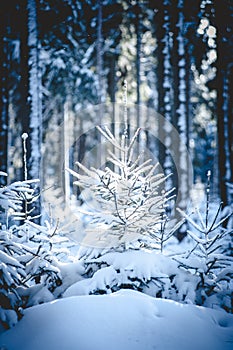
point(176, 56)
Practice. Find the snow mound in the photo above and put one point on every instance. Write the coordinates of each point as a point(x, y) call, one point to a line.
point(126, 320)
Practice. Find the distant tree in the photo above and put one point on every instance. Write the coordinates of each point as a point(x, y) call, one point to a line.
point(164, 52)
point(30, 110)
point(4, 101)
point(35, 91)
point(223, 20)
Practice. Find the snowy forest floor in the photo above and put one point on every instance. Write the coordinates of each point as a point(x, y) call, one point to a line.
point(126, 320)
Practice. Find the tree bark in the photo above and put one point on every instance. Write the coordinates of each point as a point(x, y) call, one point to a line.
point(224, 97)
point(31, 97)
point(4, 99)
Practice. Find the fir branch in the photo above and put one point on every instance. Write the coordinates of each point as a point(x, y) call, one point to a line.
point(215, 218)
point(109, 136)
point(201, 219)
point(221, 222)
point(131, 144)
point(187, 217)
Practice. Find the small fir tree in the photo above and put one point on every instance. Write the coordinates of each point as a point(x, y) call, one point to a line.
point(129, 196)
point(209, 258)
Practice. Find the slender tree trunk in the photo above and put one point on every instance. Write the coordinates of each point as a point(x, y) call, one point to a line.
point(24, 110)
point(35, 98)
point(168, 89)
point(138, 64)
point(224, 100)
point(165, 88)
point(223, 135)
point(4, 98)
point(138, 76)
point(100, 91)
point(160, 34)
point(230, 119)
point(67, 124)
point(181, 73)
point(112, 90)
point(31, 99)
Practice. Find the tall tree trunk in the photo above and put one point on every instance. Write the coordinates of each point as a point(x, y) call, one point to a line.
point(34, 93)
point(181, 96)
point(230, 119)
point(4, 72)
point(100, 53)
point(223, 14)
point(165, 84)
point(23, 109)
point(31, 99)
point(160, 34)
point(166, 91)
point(138, 73)
point(224, 137)
point(138, 62)
point(100, 91)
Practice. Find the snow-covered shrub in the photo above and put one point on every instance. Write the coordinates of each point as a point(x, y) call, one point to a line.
point(28, 268)
point(11, 274)
point(209, 259)
point(129, 199)
point(144, 270)
point(28, 272)
point(38, 258)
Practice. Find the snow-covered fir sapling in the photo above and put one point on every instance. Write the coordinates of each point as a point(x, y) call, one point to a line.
point(130, 199)
point(208, 258)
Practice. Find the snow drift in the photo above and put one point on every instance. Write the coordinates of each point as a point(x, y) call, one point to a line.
point(126, 320)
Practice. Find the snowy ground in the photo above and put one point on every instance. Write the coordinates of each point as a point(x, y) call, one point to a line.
point(125, 320)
